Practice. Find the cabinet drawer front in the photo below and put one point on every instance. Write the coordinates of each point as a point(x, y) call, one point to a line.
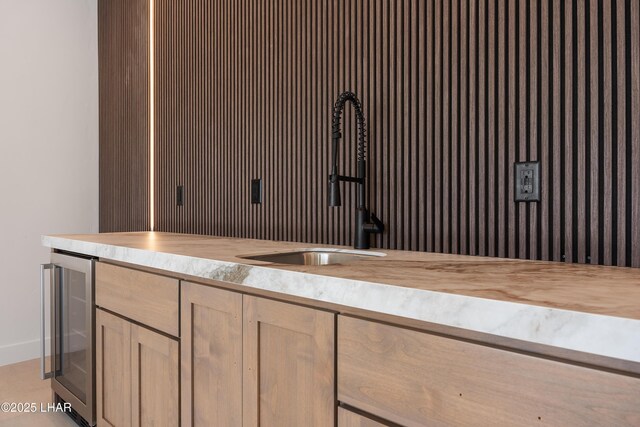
point(147, 298)
point(415, 378)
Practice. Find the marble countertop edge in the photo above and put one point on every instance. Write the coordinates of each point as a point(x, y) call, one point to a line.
point(597, 334)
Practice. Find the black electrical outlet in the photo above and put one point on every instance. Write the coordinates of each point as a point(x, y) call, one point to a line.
point(179, 195)
point(256, 191)
point(527, 181)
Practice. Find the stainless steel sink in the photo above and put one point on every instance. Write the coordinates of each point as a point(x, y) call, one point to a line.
point(314, 257)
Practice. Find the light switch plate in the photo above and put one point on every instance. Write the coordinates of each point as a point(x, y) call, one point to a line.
point(527, 181)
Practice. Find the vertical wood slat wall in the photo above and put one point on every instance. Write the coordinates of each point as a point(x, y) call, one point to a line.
point(123, 44)
point(454, 92)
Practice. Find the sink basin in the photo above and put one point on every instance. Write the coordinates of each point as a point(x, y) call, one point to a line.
point(314, 257)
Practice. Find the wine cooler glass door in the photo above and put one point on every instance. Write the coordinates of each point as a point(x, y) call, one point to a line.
point(73, 333)
point(71, 363)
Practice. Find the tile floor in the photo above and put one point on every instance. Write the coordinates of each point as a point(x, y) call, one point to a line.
point(21, 382)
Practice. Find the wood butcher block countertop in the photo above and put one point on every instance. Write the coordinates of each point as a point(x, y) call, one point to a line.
point(568, 290)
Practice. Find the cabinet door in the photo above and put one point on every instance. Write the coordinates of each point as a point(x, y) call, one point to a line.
point(113, 370)
point(211, 356)
point(289, 367)
point(155, 383)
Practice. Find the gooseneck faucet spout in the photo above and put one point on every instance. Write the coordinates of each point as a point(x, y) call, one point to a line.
point(366, 223)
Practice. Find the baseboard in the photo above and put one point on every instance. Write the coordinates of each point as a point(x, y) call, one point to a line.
point(19, 352)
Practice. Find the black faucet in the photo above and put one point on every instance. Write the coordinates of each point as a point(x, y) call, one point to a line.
point(365, 223)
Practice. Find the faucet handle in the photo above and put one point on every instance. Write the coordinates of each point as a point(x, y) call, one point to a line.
point(376, 226)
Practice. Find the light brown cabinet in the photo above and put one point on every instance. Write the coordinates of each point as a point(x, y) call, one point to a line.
point(252, 361)
point(155, 380)
point(211, 356)
point(414, 379)
point(137, 374)
point(288, 365)
point(113, 370)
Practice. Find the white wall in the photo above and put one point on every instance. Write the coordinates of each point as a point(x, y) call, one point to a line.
point(48, 149)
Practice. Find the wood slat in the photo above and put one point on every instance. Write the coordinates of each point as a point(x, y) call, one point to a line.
point(482, 125)
point(605, 142)
point(501, 174)
point(437, 142)
point(446, 126)
point(463, 174)
point(512, 121)
point(621, 130)
point(545, 127)
point(430, 119)
point(454, 92)
point(594, 131)
point(534, 116)
point(455, 127)
point(473, 127)
point(634, 151)
point(580, 178)
point(491, 117)
point(421, 117)
point(555, 147)
point(569, 253)
point(522, 136)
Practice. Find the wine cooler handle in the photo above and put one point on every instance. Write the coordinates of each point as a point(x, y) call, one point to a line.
point(43, 267)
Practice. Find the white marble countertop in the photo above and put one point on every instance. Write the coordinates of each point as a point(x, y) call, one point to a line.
point(606, 335)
